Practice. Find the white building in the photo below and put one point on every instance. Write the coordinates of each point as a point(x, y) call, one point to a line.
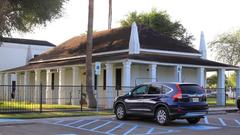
point(16, 52)
point(128, 56)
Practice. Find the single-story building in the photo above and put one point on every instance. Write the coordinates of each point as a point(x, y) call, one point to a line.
point(16, 52)
point(128, 56)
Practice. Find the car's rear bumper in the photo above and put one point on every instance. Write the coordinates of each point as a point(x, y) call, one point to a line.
point(189, 111)
point(193, 115)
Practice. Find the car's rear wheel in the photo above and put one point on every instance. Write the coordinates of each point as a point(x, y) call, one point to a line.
point(193, 120)
point(120, 112)
point(162, 116)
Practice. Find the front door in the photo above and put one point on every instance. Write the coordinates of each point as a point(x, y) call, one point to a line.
point(134, 102)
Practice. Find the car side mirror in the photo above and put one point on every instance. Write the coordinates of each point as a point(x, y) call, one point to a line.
point(130, 93)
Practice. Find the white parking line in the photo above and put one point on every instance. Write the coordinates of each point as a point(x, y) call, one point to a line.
point(87, 123)
point(150, 131)
point(237, 122)
point(206, 120)
point(101, 125)
point(222, 122)
point(59, 122)
point(111, 130)
point(130, 130)
point(72, 123)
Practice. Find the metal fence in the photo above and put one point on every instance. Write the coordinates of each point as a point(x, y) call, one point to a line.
point(43, 98)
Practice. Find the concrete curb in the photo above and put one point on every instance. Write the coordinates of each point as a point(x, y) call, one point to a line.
point(16, 123)
point(222, 110)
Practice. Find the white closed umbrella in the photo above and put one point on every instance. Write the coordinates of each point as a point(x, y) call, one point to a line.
point(134, 45)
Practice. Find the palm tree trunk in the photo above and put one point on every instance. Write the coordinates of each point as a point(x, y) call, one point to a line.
point(110, 15)
point(90, 96)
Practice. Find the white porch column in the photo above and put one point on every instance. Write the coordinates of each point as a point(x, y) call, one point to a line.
point(178, 73)
point(6, 86)
point(76, 82)
point(48, 87)
point(126, 76)
point(201, 76)
point(109, 84)
point(61, 92)
point(37, 79)
point(221, 87)
point(237, 83)
point(1, 79)
point(26, 88)
point(153, 72)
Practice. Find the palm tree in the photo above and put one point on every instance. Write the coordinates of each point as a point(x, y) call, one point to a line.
point(110, 14)
point(90, 96)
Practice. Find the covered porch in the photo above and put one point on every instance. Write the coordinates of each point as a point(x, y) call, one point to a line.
point(62, 83)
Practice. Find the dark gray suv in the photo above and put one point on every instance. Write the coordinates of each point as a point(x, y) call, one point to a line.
point(163, 101)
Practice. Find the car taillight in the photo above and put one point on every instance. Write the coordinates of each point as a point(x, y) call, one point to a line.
point(178, 96)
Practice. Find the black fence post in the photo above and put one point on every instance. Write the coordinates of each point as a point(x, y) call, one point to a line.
point(40, 98)
point(81, 102)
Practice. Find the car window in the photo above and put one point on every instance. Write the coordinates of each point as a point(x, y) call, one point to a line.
point(165, 90)
point(158, 89)
point(154, 90)
point(140, 90)
point(191, 89)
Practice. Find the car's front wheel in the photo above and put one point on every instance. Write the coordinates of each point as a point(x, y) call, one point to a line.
point(162, 116)
point(193, 120)
point(120, 112)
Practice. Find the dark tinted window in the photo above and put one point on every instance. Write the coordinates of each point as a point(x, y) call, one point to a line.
point(141, 90)
point(158, 89)
point(118, 78)
point(191, 89)
point(165, 90)
point(154, 90)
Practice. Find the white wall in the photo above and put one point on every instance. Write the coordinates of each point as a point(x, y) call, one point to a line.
point(166, 74)
point(14, 55)
point(139, 74)
point(189, 75)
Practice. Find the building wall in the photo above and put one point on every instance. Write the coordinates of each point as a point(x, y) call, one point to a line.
point(166, 74)
point(14, 55)
point(189, 75)
point(139, 74)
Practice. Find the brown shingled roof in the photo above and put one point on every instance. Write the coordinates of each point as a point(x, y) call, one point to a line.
point(113, 40)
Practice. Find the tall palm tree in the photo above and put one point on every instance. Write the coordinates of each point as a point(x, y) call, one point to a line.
point(110, 14)
point(90, 96)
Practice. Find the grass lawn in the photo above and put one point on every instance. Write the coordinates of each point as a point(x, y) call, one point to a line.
point(52, 114)
point(24, 106)
point(213, 101)
point(34, 106)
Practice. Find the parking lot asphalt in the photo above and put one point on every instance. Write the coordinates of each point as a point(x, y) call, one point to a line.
point(211, 124)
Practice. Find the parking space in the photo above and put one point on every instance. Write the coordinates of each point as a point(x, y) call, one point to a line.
point(110, 126)
point(137, 126)
point(215, 124)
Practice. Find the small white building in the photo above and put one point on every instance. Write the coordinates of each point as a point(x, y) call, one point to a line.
point(128, 56)
point(16, 52)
